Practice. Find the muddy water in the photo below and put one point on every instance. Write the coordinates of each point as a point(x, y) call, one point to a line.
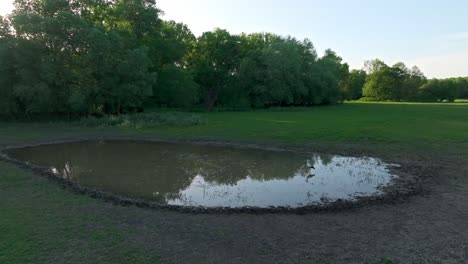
point(210, 176)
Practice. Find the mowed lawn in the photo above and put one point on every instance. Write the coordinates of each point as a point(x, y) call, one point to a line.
point(350, 122)
point(42, 223)
point(408, 123)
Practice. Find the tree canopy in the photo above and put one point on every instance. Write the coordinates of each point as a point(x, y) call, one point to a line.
point(97, 57)
point(400, 83)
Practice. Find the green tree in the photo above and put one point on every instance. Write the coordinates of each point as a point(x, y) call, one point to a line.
point(383, 84)
point(177, 43)
point(97, 57)
point(288, 72)
point(462, 84)
point(371, 66)
point(254, 42)
point(67, 61)
point(215, 61)
point(176, 88)
point(8, 74)
point(414, 80)
point(354, 85)
point(280, 74)
point(439, 90)
point(333, 77)
point(396, 83)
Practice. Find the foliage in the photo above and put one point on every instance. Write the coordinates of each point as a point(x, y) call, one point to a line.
point(288, 72)
point(93, 57)
point(215, 61)
point(439, 90)
point(333, 77)
point(176, 88)
point(384, 84)
point(460, 85)
point(177, 43)
point(272, 75)
point(62, 62)
point(354, 85)
point(398, 83)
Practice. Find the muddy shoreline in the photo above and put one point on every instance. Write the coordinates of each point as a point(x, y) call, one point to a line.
point(405, 185)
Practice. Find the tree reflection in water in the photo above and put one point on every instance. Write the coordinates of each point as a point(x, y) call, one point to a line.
point(202, 175)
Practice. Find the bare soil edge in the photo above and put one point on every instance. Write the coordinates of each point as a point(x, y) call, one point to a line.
point(402, 188)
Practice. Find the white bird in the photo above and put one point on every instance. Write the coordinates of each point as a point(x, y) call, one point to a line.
point(309, 165)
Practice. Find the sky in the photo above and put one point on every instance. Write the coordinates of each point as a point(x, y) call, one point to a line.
point(428, 33)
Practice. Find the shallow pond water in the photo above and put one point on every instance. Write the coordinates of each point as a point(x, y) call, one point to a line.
point(208, 175)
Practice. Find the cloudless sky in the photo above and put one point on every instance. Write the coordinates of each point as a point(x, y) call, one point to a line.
point(428, 33)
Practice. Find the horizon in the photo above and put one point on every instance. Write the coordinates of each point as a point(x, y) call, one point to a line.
point(359, 31)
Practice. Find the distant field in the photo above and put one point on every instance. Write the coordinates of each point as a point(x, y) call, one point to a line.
point(408, 123)
point(457, 102)
point(351, 122)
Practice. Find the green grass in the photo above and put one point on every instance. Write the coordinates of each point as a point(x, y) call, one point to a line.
point(42, 223)
point(351, 122)
point(144, 120)
point(404, 123)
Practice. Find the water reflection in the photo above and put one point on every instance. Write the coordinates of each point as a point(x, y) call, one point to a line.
point(211, 176)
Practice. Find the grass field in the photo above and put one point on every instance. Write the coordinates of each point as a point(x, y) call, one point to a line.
point(42, 223)
point(406, 123)
point(391, 123)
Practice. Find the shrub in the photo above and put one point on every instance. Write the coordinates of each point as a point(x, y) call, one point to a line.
point(144, 120)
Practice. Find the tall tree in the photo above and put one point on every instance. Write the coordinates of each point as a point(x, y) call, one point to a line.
point(371, 66)
point(414, 80)
point(334, 75)
point(69, 63)
point(354, 85)
point(439, 90)
point(215, 62)
point(383, 83)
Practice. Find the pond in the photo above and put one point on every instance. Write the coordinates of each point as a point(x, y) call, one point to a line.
point(189, 174)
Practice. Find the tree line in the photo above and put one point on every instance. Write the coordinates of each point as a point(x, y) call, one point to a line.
point(399, 83)
point(98, 57)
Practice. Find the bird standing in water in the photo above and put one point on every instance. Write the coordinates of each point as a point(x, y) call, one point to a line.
point(311, 170)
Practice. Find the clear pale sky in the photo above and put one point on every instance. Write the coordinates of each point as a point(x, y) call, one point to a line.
point(428, 33)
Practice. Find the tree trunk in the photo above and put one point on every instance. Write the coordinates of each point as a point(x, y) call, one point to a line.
point(211, 99)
